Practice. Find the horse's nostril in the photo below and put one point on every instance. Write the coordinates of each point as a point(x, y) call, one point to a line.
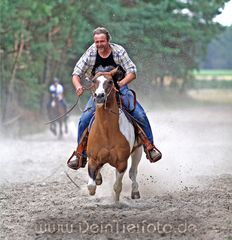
point(100, 95)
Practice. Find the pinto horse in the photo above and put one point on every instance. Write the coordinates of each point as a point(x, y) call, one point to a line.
point(57, 108)
point(111, 138)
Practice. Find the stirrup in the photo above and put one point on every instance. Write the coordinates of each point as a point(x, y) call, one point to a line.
point(156, 157)
point(79, 162)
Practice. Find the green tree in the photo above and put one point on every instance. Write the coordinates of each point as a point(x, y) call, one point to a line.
point(218, 55)
point(34, 48)
point(43, 39)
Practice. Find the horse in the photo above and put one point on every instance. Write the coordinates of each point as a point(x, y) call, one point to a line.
point(57, 108)
point(111, 138)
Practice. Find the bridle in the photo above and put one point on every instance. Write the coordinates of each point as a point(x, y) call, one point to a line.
point(88, 88)
point(107, 94)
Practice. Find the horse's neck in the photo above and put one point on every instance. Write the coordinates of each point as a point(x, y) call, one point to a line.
point(112, 102)
point(108, 114)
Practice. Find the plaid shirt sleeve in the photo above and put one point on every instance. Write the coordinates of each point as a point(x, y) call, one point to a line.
point(85, 64)
point(122, 58)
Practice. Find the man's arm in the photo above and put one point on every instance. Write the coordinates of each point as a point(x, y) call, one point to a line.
point(127, 79)
point(77, 85)
point(128, 65)
point(85, 63)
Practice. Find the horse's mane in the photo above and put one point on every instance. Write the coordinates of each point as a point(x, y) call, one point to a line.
point(118, 76)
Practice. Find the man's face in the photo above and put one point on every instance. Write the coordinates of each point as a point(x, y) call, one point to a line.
point(101, 42)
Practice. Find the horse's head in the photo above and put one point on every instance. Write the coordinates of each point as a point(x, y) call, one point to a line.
point(103, 86)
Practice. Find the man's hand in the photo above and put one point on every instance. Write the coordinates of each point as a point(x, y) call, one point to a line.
point(127, 79)
point(79, 91)
point(77, 84)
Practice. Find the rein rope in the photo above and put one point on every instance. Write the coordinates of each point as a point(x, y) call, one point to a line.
point(76, 103)
point(116, 90)
point(56, 119)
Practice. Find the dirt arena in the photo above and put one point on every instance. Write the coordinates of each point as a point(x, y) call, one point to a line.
point(186, 195)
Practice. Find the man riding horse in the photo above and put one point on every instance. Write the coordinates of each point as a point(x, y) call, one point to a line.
point(56, 92)
point(56, 106)
point(104, 53)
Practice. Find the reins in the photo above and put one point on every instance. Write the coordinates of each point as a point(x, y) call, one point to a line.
point(113, 87)
point(116, 90)
point(76, 103)
point(54, 120)
point(88, 88)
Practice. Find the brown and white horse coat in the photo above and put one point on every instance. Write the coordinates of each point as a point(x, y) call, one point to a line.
point(111, 138)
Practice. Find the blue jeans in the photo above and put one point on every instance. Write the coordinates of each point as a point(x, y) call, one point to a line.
point(128, 100)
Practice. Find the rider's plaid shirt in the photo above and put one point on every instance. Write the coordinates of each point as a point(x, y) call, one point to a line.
point(86, 63)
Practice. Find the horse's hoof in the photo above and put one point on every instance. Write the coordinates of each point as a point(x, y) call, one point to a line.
point(92, 189)
point(116, 199)
point(135, 195)
point(99, 180)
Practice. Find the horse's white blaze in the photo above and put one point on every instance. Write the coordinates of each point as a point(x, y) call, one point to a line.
point(127, 129)
point(100, 88)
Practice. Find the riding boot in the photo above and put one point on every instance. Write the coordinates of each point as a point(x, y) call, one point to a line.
point(153, 154)
point(81, 159)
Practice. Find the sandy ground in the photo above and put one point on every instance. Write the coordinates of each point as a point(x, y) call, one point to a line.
point(187, 195)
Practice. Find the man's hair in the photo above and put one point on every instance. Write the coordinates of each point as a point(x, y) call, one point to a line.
point(103, 30)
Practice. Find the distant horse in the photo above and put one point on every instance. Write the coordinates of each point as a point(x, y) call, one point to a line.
point(57, 108)
point(111, 138)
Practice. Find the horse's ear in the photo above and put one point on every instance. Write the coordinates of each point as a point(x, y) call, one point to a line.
point(113, 72)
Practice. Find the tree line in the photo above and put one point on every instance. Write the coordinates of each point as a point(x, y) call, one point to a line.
point(218, 54)
point(43, 39)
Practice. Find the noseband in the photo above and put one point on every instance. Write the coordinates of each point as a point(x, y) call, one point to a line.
point(107, 93)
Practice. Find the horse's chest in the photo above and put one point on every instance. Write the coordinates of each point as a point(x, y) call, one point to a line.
point(108, 146)
point(120, 133)
point(111, 154)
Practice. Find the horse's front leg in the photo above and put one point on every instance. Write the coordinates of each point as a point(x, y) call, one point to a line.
point(93, 170)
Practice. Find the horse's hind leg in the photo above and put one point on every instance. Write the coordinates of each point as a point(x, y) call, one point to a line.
point(118, 184)
point(135, 159)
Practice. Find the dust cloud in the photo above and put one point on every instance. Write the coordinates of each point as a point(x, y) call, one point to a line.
point(190, 185)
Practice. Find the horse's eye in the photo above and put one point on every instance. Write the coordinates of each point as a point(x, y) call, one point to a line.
point(111, 82)
point(94, 81)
